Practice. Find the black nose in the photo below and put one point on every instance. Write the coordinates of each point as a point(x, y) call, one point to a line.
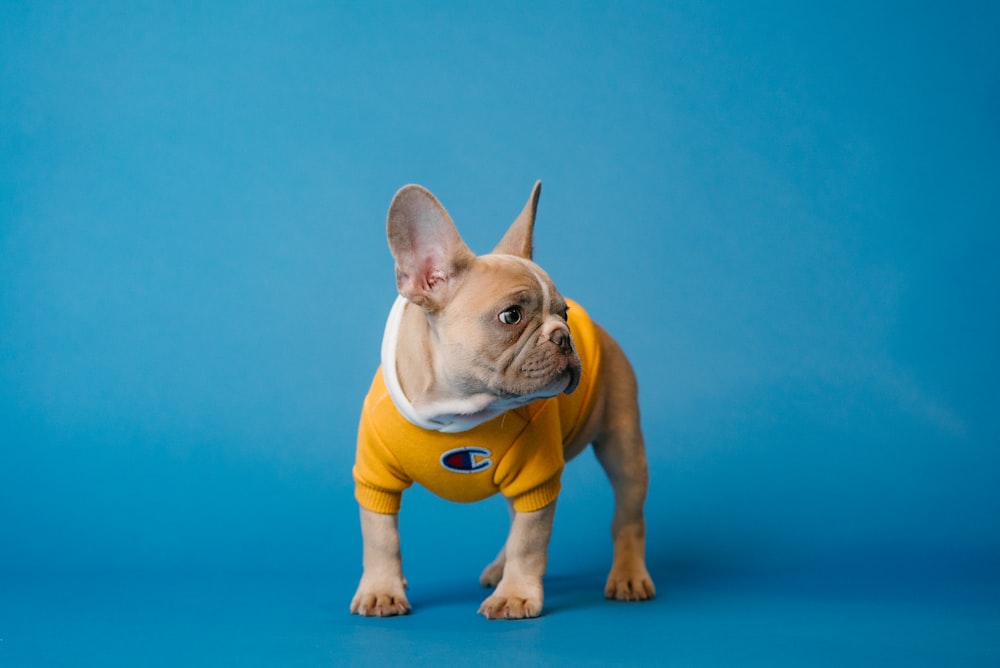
point(562, 339)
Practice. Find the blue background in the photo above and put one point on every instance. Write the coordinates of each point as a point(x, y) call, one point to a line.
point(786, 212)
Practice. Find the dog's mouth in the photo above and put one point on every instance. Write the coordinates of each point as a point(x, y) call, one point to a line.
point(559, 377)
point(564, 381)
point(539, 373)
point(573, 373)
point(560, 381)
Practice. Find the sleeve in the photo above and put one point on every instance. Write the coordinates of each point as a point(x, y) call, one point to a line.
point(379, 480)
point(540, 496)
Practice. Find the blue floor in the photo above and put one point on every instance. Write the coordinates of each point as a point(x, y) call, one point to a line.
point(709, 618)
point(719, 602)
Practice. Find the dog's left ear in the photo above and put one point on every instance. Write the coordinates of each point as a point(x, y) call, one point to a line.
point(518, 239)
point(430, 255)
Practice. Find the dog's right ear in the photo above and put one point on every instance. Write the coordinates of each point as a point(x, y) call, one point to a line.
point(518, 239)
point(430, 255)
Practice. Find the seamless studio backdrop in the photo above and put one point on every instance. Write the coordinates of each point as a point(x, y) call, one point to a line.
point(786, 212)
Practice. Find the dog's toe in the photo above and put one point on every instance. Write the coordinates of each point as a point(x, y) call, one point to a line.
point(511, 607)
point(634, 587)
point(380, 605)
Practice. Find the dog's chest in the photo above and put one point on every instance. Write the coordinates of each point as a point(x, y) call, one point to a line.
point(520, 448)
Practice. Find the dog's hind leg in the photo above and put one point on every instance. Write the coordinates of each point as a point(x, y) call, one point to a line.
point(620, 449)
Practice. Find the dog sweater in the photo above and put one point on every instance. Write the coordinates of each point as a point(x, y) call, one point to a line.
point(518, 453)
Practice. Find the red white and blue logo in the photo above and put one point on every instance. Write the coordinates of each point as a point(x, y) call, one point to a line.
point(467, 460)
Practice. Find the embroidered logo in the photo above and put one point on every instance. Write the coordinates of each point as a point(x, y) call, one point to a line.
point(467, 460)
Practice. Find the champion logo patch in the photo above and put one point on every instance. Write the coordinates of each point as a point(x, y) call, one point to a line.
point(467, 460)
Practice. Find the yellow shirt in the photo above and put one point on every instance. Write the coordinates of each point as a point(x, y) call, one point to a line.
point(518, 453)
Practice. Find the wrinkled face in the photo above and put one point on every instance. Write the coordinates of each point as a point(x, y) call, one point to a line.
point(505, 333)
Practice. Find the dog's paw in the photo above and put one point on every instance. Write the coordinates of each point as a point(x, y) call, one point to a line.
point(513, 602)
point(629, 584)
point(387, 600)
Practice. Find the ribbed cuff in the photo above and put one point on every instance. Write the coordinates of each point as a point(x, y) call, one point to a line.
point(377, 500)
point(539, 497)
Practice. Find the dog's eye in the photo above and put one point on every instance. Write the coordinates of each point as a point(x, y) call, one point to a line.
point(510, 315)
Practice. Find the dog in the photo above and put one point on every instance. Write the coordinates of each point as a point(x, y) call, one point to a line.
point(490, 380)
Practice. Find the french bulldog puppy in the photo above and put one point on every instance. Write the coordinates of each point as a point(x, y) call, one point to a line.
point(491, 380)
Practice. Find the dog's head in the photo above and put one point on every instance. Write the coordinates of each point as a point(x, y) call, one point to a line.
point(498, 324)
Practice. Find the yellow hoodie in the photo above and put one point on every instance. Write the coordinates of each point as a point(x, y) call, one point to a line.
point(518, 453)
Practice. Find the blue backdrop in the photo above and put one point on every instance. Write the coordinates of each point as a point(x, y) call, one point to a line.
point(786, 212)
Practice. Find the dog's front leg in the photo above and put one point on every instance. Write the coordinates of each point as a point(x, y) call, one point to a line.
point(382, 591)
point(519, 592)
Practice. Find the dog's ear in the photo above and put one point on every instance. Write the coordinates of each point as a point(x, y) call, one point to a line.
point(430, 255)
point(518, 239)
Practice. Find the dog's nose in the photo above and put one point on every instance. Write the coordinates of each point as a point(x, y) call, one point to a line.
point(558, 334)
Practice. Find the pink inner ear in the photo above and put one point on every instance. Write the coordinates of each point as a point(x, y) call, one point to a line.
point(426, 269)
point(429, 246)
point(432, 273)
point(434, 257)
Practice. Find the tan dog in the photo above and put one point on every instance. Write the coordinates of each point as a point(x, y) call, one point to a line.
point(483, 388)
